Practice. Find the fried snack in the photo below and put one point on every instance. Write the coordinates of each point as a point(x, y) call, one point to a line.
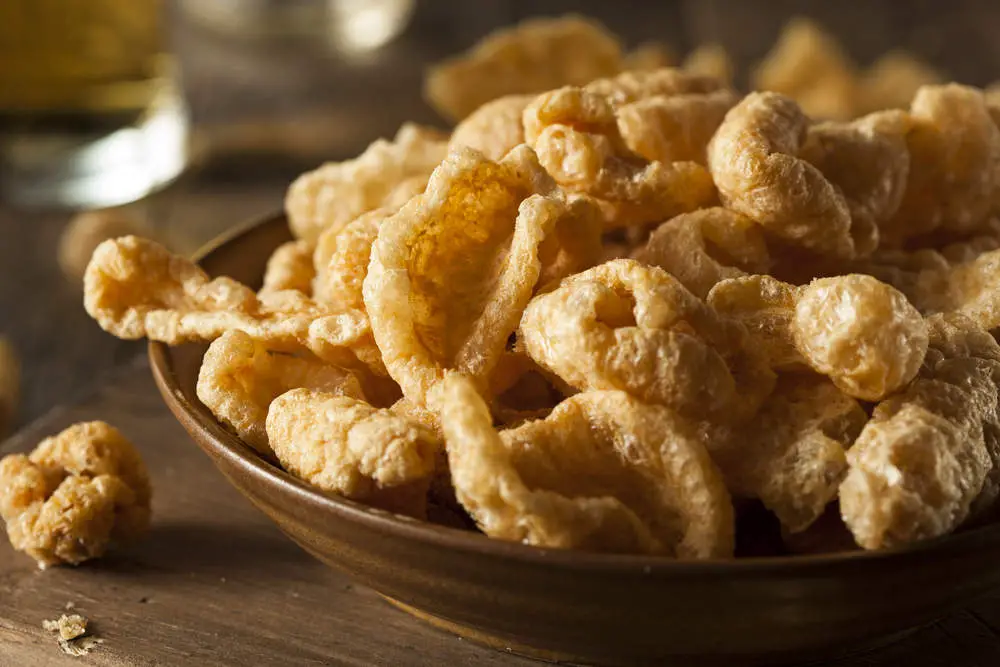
point(867, 160)
point(603, 472)
point(290, 267)
point(135, 288)
point(576, 136)
point(387, 174)
point(638, 85)
point(754, 160)
point(970, 288)
point(10, 384)
point(591, 330)
point(674, 128)
point(860, 332)
point(522, 390)
point(793, 456)
point(341, 259)
point(649, 56)
point(531, 57)
point(85, 232)
point(343, 445)
point(239, 378)
point(954, 172)
point(74, 494)
point(922, 460)
point(451, 272)
point(808, 65)
point(707, 246)
point(493, 129)
point(710, 59)
point(892, 81)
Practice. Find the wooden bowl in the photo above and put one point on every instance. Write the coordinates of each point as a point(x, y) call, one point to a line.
point(584, 607)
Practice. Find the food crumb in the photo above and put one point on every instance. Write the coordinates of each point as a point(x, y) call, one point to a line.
point(72, 629)
point(70, 605)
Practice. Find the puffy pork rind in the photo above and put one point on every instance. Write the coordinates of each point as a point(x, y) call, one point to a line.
point(531, 57)
point(136, 288)
point(341, 259)
point(85, 231)
point(792, 456)
point(954, 172)
point(710, 59)
point(576, 136)
point(632, 86)
point(650, 55)
point(970, 288)
point(493, 129)
point(808, 65)
point(387, 174)
point(923, 460)
point(707, 246)
point(860, 332)
point(290, 267)
point(603, 472)
point(10, 384)
point(74, 494)
point(892, 81)
point(624, 325)
point(754, 160)
point(239, 378)
point(345, 446)
point(451, 272)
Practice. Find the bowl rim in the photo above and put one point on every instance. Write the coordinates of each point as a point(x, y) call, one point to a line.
point(220, 443)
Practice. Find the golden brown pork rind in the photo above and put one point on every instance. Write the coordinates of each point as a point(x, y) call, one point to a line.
point(74, 494)
point(710, 59)
point(531, 57)
point(240, 376)
point(603, 472)
point(493, 129)
point(451, 272)
point(341, 259)
point(892, 81)
point(923, 460)
point(632, 86)
point(290, 267)
point(387, 174)
point(345, 446)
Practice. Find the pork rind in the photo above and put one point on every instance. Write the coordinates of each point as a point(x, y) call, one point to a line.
point(754, 160)
point(341, 259)
point(808, 65)
point(345, 446)
point(136, 288)
point(10, 384)
point(710, 59)
point(892, 81)
point(85, 232)
point(493, 129)
point(593, 328)
point(954, 171)
point(649, 56)
point(533, 56)
point(632, 86)
point(290, 267)
point(240, 376)
point(387, 174)
point(857, 330)
point(970, 288)
point(792, 457)
point(576, 136)
point(451, 272)
point(922, 461)
point(603, 472)
point(74, 494)
point(707, 246)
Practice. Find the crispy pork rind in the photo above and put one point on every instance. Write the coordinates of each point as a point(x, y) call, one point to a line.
point(345, 446)
point(710, 59)
point(857, 330)
point(10, 384)
point(638, 85)
point(531, 57)
point(603, 472)
point(290, 267)
point(792, 456)
point(970, 288)
point(493, 129)
point(451, 272)
point(704, 247)
point(754, 160)
point(74, 494)
point(240, 376)
point(341, 259)
point(624, 325)
point(136, 288)
point(922, 461)
point(387, 174)
point(576, 136)
point(892, 81)
point(649, 56)
point(954, 171)
point(808, 65)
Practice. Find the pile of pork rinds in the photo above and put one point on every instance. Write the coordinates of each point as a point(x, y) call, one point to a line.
point(621, 314)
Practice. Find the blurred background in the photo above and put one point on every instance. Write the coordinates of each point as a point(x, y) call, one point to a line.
point(194, 115)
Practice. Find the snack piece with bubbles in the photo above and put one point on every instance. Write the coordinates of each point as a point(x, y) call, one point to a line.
point(290, 267)
point(493, 129)
point(603, 472)
point(72, 496)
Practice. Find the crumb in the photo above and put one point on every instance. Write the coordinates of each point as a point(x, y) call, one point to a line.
point(79, 647)
point(69, 626)
point(70, 605)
